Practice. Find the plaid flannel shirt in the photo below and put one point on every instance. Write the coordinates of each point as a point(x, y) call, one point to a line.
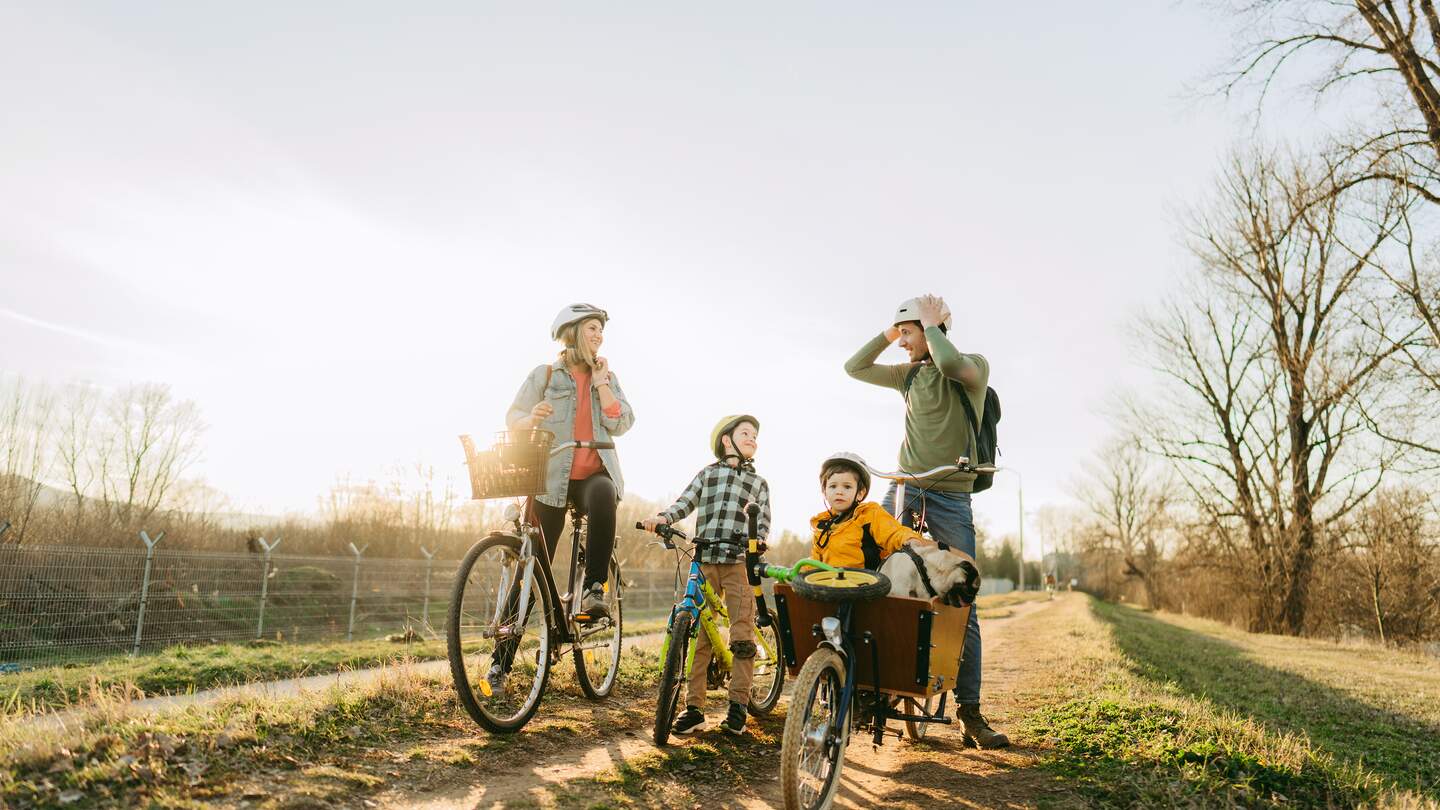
point(720, 493)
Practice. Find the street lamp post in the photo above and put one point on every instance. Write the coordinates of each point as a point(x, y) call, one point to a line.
point(1020, 482)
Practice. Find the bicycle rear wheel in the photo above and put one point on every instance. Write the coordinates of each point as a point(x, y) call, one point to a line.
point(932, 706)
point(672, 677)
point(499, 660)
point(769, 679)
point(811, 753)
point(597, 653)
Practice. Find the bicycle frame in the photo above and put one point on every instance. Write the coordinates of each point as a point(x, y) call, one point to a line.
point(534, 553)
point(703, 604)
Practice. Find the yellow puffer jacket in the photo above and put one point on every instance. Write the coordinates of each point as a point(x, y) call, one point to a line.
point(844, 543)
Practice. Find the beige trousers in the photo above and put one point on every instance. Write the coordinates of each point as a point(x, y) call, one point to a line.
point(728, 580)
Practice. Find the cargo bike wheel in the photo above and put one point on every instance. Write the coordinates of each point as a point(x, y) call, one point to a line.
point(933, 706)
point(813, 750)
point(499, 659)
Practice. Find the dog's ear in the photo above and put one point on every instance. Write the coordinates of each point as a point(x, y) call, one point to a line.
point(963, 592)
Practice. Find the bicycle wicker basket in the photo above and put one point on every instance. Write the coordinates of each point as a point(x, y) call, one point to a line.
point(514, 467)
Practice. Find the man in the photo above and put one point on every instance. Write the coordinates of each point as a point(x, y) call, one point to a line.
point(937, 432)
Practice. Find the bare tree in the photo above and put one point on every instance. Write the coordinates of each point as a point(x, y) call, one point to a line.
point(25, 426)
point(1130, 501)
point(1381, 50)
point(1397, 560)
point(76, 449)
point(1267, 359)
point(149, 441)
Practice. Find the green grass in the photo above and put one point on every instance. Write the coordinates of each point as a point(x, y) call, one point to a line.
point(178, 670)
point(331, 748)
point(1174, 711)
point(182, 669)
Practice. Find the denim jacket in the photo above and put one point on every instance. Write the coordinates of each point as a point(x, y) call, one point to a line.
point(561, 395)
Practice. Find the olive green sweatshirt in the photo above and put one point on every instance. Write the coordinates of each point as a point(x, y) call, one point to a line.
point(937, 431)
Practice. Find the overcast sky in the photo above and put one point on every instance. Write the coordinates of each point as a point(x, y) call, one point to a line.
point(343, 229)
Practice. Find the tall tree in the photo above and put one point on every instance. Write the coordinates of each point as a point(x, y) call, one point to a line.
point(1269, 359)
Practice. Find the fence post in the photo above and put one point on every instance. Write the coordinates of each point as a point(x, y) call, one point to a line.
point(429, 566)
point(145, 587)
point(354, 590)
point(264, 582)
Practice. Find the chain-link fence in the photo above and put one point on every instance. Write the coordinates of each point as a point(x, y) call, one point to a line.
point(65, 603)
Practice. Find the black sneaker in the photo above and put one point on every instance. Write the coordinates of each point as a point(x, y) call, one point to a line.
point(691, 721)
point(735, 721)
point(592, 604)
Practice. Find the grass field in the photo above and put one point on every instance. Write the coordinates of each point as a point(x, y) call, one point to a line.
point(1139, 709)
point(1119, 707)
point(179, 670)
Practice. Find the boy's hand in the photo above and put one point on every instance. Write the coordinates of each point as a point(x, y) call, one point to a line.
point(651, 523)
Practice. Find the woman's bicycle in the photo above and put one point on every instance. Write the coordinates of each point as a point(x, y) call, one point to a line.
point(701, 610)
point(509, 624)
point(868, 658)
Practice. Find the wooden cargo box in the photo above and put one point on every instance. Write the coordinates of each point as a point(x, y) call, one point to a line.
point(919, 641)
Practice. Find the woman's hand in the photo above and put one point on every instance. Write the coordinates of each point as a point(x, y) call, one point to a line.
point(541, 412)
point(601, 375)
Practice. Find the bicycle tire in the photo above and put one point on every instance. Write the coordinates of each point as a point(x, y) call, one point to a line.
point(918, 729)
point(849, 585)
point(762, 704)
point(487, 716)
point(824, 669)
point(584, 672)
point(672, 676)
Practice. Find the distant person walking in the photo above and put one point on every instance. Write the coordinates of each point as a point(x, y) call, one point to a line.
point(937, 432)
point(578, 398)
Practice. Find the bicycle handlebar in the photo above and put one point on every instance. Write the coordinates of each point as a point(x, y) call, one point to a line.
point(563, 446)
point(961, 464)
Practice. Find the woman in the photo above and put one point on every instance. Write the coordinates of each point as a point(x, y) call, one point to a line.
point(578, 398)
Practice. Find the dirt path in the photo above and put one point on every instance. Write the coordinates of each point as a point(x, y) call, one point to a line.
point(936, 771)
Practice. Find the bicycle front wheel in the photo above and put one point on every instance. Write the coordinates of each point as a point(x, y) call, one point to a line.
point(597, 653)
point(769, 679)
point(672, 677)
point(844, 585)
point(499, 659)
point(812, 751)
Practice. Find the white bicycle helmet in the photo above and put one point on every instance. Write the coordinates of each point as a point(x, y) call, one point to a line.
point(849, 461)
point(910, 311)
point(573, 314)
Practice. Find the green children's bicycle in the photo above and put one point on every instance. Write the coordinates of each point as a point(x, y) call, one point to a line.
point(701, 610)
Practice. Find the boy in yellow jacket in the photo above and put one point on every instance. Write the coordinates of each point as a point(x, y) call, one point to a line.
point(855, 532)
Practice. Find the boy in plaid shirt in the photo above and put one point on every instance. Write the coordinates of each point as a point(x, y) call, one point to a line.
point(720, 492)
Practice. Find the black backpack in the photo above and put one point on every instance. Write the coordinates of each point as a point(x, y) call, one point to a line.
point(986, 441)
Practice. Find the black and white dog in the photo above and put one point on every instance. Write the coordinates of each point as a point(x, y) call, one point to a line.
point(931, 570)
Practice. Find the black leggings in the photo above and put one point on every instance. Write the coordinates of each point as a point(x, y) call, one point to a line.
point(597, 499)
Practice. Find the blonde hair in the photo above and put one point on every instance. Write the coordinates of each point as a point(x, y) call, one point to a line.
point(577, 352)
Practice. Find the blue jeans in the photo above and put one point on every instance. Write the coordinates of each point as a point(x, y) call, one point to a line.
point(952, 523)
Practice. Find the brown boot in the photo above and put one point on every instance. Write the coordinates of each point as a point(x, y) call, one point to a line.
point(977, 731)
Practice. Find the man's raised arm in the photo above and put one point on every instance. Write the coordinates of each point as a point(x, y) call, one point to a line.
point(970, 370)
point(862, 366)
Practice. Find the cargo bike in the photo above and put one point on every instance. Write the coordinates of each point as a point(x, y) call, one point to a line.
point(860, 659)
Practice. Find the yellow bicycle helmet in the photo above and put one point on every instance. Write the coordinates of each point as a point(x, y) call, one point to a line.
point(723, 428)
